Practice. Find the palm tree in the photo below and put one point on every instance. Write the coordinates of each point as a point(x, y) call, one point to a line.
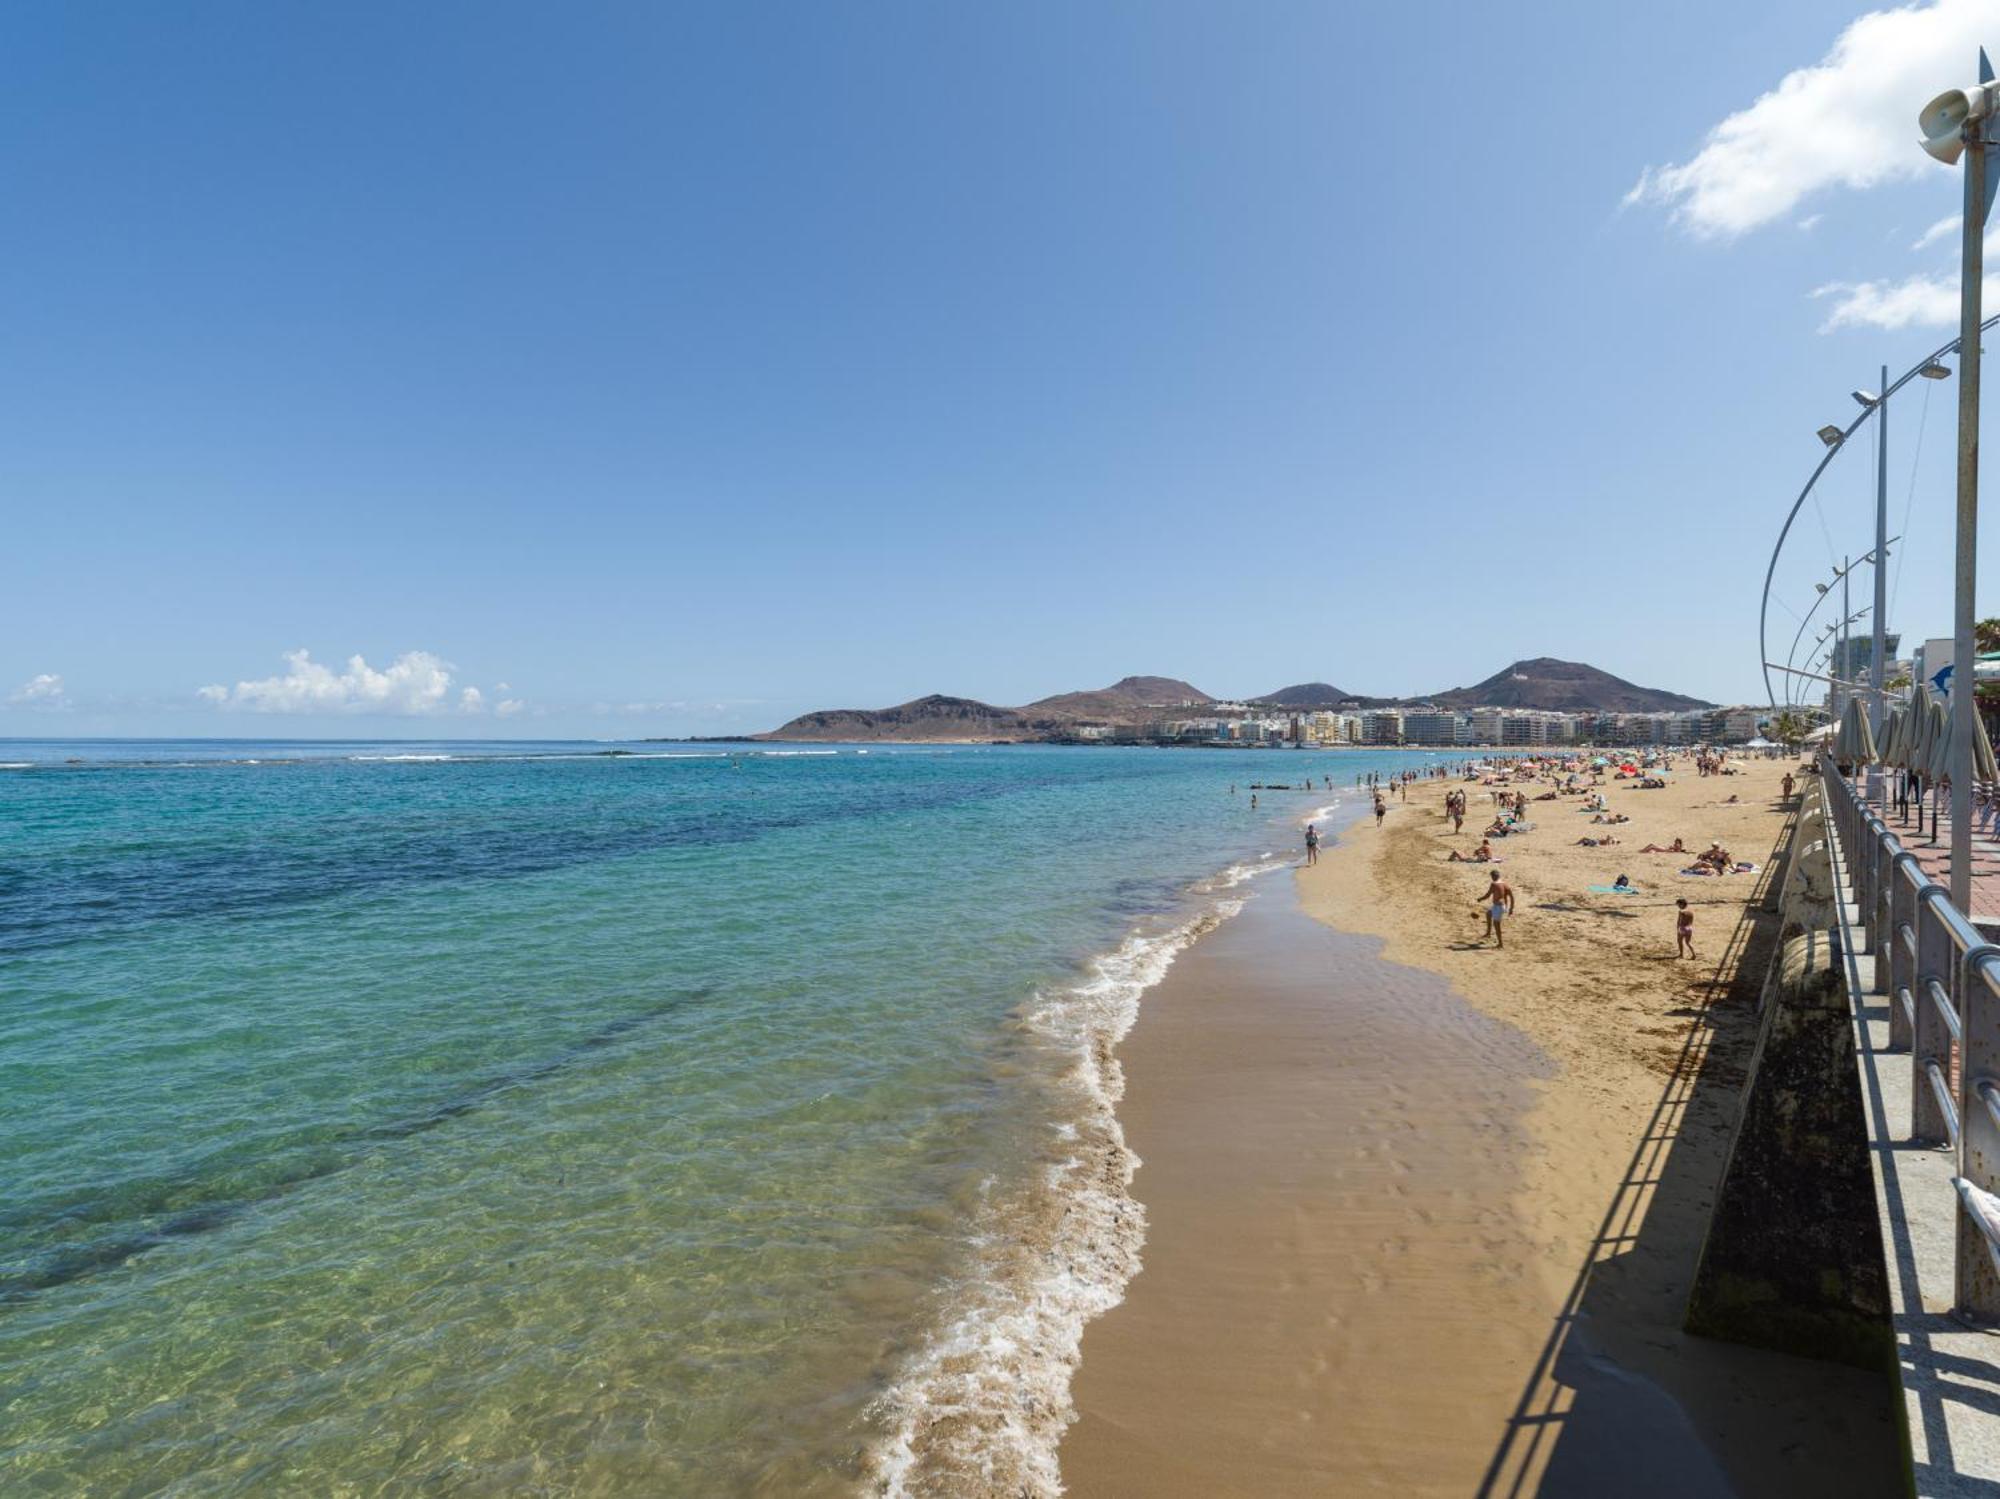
point(1986, 636)
point(1788, 729)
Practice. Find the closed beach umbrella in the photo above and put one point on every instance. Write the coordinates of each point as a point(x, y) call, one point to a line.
point(1938, 762)
point(1854, 744)
point(1895, 738)
point(1924, 718)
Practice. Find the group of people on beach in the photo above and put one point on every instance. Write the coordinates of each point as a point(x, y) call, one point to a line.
point(1510, 788)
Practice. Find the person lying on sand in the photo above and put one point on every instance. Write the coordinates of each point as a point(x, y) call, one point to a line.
point(1615, 817)
point(1676, 847)
point(1605, 842)
point(1480, 855)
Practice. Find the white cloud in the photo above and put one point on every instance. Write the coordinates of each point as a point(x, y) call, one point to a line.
point(1928, 299)
point(1810, 222)
point(1945, 226)
point(43, 691)
point(509, 707)
point(415, 682)
point(1849, 120)
point(472, 700)
point(1914, 302)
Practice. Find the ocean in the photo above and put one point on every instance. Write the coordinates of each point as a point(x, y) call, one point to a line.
point(581, 1119)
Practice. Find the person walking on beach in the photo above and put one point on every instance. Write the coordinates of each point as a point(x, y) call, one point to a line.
point(1789, 783)
point(1381, 809)
point(1312, 844)
point(1499, 906)
point(1683, 930)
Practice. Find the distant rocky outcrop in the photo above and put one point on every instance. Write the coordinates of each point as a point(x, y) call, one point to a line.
point(1563, 687)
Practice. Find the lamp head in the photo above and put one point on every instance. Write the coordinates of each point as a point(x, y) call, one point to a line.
point(1831, 436)
point(1942, 122)
point(1935, 371)
point(1863, 398)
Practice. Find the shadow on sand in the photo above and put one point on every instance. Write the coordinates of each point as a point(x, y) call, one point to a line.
point(1621, 1400)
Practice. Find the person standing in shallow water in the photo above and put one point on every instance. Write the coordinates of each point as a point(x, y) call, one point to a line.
point(1312, 844)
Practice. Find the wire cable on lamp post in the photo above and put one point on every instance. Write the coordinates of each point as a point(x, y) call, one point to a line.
point(1835, 438)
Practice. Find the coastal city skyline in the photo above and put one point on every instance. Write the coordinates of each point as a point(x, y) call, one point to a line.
point(990, 351)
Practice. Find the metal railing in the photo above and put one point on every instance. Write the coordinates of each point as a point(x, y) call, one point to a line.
point(1942, 979)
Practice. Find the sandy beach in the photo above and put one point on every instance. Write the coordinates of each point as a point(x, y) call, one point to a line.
point(1423, 1214)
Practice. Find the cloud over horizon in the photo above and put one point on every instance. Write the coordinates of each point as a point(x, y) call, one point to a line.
point(42, 691)
point(415, 683)
point(1848, 120)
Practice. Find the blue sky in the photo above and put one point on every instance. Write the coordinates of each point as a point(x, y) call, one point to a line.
point(675, 369)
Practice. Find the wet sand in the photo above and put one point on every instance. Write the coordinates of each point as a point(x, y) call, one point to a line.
point(1330, 1157)
point(1424, 1215)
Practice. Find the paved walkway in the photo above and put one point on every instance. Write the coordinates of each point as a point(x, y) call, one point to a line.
point(1950, 1371)
point(1935, 856)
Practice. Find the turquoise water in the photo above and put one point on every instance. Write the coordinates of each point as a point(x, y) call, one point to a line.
point(532, 1119)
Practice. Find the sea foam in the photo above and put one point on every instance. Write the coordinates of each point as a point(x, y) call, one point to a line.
point(983, 1403)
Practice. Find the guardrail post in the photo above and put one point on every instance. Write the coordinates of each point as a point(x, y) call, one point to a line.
point(1906, 878)
point(1881, 916)
point(1976, 1285)
point(1936, 960)
point(1867, 867)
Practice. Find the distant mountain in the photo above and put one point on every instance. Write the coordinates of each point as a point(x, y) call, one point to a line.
point(1563, 687)
point(1316, 695)
point(933, 718)
point(1120, 702)
point(940, 718)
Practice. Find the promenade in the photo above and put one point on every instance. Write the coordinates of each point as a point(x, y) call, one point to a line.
point(1922, 1005)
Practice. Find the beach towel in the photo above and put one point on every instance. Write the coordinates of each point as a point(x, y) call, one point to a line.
point(1614, 890)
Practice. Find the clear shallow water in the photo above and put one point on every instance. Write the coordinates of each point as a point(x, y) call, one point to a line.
point(460, 1119)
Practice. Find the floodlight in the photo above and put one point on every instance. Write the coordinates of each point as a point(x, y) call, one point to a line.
point(1863, 398)
point(1935, 371)
point(1831, 436)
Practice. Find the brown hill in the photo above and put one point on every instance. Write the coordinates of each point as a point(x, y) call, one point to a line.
point(1123, 701)
point(1563, 687)
point(1315, 695)
point(926, 718)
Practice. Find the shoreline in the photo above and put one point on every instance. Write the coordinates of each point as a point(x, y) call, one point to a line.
point(1543, 1330)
